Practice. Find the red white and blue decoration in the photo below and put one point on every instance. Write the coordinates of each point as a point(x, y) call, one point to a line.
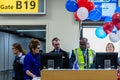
point(83, 9)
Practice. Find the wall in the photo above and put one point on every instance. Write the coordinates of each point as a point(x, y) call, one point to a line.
point(59, 23)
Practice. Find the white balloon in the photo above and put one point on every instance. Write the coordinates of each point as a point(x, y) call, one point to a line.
point(118, 34)
point(114, 37)
point(82, 13)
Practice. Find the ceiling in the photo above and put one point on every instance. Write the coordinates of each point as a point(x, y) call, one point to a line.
point(33, 34)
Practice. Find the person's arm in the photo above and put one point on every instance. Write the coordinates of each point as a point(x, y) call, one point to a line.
point(27, 64)
point(94, 59)
point(30, 74)
point(72, 59)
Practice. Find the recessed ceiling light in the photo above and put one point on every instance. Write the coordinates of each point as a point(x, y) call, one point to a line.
point(30, 30)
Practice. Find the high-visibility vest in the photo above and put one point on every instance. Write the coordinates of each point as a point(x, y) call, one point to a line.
point(80, 57)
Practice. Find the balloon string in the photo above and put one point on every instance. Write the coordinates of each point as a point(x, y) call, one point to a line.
point(81, 29)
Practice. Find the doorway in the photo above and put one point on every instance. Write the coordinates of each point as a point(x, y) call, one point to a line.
point(22, 34)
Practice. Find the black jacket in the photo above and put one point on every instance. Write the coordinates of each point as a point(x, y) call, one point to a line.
point(65, 58)
point(18, 68)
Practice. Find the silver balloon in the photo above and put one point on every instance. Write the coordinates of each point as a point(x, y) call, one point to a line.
point(82, 13)
point(114, 37)
point(118, 34)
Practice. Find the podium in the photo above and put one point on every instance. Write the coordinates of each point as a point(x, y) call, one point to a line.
point(79, 74)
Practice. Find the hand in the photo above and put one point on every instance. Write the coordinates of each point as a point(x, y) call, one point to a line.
point(34, 76)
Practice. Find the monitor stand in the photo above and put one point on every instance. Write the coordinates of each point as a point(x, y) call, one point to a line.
point(50, 64)
point(107, 64)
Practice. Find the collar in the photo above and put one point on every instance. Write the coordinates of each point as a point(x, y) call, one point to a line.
point(20, 55)
point(57, 49)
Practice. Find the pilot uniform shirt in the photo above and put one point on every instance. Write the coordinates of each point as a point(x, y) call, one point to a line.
point(18, 67)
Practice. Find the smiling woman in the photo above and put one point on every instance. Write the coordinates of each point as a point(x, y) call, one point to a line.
point(110, 47)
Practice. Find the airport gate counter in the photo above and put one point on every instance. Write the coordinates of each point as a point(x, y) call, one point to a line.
point(90, 74)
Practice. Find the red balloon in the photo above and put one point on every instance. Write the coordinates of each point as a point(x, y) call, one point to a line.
point(108, 27)
point(83, 0)
point(90, 6)
point(116, 18)
point(76, 17)
point(82, 3)
point(118, 26)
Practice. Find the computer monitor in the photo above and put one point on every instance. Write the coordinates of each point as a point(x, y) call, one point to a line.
point(51, 60)
point(106, 60)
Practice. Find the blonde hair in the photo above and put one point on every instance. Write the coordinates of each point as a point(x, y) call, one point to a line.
point(110, 44)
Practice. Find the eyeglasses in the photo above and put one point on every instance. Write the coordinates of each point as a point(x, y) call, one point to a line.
point(38, 47)
point(13, 48)
point(56, 44)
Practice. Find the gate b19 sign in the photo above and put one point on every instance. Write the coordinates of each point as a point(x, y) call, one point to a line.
point(21, 6)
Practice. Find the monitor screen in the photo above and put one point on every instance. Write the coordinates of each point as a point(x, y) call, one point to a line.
point(106, 60)
point(107, 7)
point(51, 60)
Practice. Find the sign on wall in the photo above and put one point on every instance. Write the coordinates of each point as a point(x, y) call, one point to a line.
point(22, 6)
point(107, 7)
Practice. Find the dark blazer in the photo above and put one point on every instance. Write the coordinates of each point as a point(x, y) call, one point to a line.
point(65, 58)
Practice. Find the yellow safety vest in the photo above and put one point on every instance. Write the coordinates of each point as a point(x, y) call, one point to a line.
point(80, 57)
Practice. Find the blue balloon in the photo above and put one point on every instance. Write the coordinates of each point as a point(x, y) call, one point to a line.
point(95, 15)
point(100, 33)
point(71, 6)
point(114, 30)
point(117, 10)
point(108, 19)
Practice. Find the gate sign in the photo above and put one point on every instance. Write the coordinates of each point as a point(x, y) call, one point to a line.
point(18, 6)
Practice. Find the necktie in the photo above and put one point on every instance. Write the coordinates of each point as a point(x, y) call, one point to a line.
point(56, 51)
